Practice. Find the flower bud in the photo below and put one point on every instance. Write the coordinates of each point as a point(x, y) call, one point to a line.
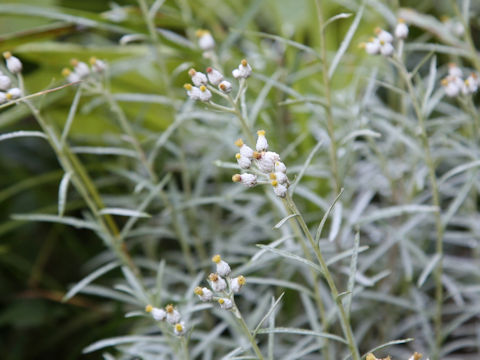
point(205, 94)
point(223, 269)
point(203, 293)
point(383, 35)
point(244, 70)
point(157, 314)
point(262, 144)
point(14, 65)
point(401, 30)
point(237, 283)
point(225, 86)
point(386, 48)
point(225, 303)
point(5, 82)
point(80, 68)
point(198, 78)
point(14, 93)
point(193, 92)
point(3, 97)
point(246, 179)
point(97, 65)
point(217, 283)
point(205, 40)
point(245, 150)
point(279, 189)
point(173, 316)
point(179, 328)
point(214, 76)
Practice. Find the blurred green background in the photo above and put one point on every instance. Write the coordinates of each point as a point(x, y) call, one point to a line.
point(38, 261)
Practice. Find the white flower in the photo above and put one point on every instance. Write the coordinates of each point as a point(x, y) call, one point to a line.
point(245, 150)
point(279, 176)
point(383, 35)
point(244, 70)
point(265, 163)
point(472, 83)
point(225, 86)
point(454, 70)
point(279, 189)
point(71, 76)
point(80, 68)
point(280, 167)
point(97, 65)
point(179, 328)
point(386, 48)
point(373, 46)
point(205, 94)
point(246, 179)
point(223, 269)
point(237, 283)
point(225, 303)
point(14, 65)
point(14, 93)
point(401, 30)
point(205, 40)
point(217, 283)
point(198, 78)
point(5, 82)
point(193, 92)
point(451, 86)
point(243, 161)
point(157, 314)
point(214, 76)
point(203, 293)
point(3, 97)
point(173, 316)
point(262, 144)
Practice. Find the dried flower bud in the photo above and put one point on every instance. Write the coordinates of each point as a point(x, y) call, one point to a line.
point(198, 78)
point(205, 40)
point(225, 303)
point(14, 65)
point(217, 283)
point(223, 269)
point(214, 76)
point(203, 293)
point(401, 30)
point(237, 283)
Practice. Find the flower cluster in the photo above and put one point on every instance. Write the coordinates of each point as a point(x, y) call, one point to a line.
point(82, 71)
point(383, 42)
point(223, 287)
point(454, 84)
point(266, 166)
point(171, 315)
point(7, 91)
point(214, 78)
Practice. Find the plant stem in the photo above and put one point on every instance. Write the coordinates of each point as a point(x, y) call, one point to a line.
point(344, 319)
point(436, 202)
point(246, 330)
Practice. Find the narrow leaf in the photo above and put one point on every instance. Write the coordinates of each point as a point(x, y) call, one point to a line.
point(22, 133)
point(428, 269)
point(62, 193)
point(292, 256)
point(123, 212)
point(281, 222)
point(295, 331)
point(325, 217)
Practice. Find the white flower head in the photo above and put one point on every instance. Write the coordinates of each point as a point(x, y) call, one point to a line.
point(225, 86)
point(179, 328)
point(70, 75)
point(223, 269)
point(237, 283)
point(280, 167)
point(243, 161)
point(3, 97)
point(472, 83)
point(157, 314)
point(246, 179)
point(386, 48)
point(383, 35)
point(451, 86)
point(279, 189)
point(245, 150)
point(198, 78)
point(243, 71)
point(372, 47)
point(5, 82)
point(262, 144)
point(279, 176)
point(173, 316)
point(80, 68)
point(401, 30)
point(225, 303)
point(214, 76)
point(97, 65)
point(217, 283)
point(205, 94)
point(193, 92)
point(14, 65)
point(265, 163)
point(205, 40)
point(13, 93)
point(454, 70)
point(204, 293)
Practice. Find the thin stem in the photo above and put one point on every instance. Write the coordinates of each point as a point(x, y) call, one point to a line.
point(344, 319)
point(436, 202)
point(328, 98)
point(184, 345)
point(246, 330)
point(71, 116)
